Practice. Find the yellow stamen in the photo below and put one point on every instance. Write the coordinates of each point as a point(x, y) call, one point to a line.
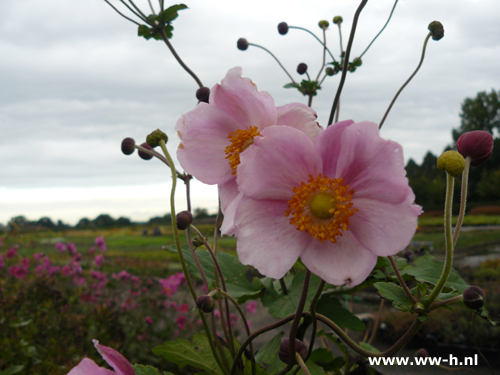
point(240, 141)
point(322, 207)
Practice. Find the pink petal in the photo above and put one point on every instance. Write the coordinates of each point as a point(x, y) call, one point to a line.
point(203, 133)
point(371, 166)
point(329, 146)
point(276, 163)
point(115, 359)
point(239, 98)
point(384, 228)
point(266, 239)
point(229, 199)
point(89, 367)
point(343, 262)
point(300, 117)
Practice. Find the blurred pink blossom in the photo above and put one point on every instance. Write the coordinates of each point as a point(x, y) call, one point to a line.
point(251, 307)
point(71, 248)
point(233, 319)
point(92, 250)
point(12, 252)
point(60, 247)
point(2, 262)
point(18, 271)
point(183, 308)
point(100, 243)
point(181, 321)
point(149, 320)
point(38, 256)
point(122, 275)
point(98, 260)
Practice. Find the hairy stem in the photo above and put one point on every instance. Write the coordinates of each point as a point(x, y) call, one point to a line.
point(401, 281)
point(463, 200)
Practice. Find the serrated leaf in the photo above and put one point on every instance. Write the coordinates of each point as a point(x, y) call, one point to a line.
point(394, 293)
point(329, 306)
point(144, 31)
point(147, 370)
point(170, 14)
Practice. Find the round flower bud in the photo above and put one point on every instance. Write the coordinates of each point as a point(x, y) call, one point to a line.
point(284, 352)
point(357, 61)
point(323, 24)
point(144, 155)
point(301, 68)
point(197, 242)
point(184, 219)
point(128, 146)
point(242, 44)
point(452, 162)
point(421, 353)
point(205, 304)
point(477, 144)
point(283, 28)
point(202, 94)
point(437, 30)
point(337, 20)
point(154, 138)
point(329, 71)
point(474, 297)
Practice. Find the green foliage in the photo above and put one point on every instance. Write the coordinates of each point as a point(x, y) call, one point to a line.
point(162, 21)
point(306, 87)
point(329, 306)
point(148, 370)
point(394, 293)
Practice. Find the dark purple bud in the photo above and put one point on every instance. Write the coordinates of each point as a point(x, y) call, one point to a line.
point(477, 144)
point(205, 304)
point(184, 219)
point(144, 155)
point(301, 68)
point(283, 28)
point(474, 297)
point(202, 94)
point(284, 352)
point(128, 146)
point(421, 353)
point(437, 30)
point(242, 44)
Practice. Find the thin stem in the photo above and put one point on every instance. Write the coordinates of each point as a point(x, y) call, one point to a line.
point(340, 43)
point(380, 32)
point(377, 319)
point(448, 301)
point(283, 286)
point(279, 63)
point(137, 8)
point(477, 347)
point(313, 316)
point(324, 54)
point(302, 364)
point(121, 14)
point(450, 182)
point(314, 35)
point(218, 342)
point(177, 57)
point(163, 159)
point(463, 200)
point(407, 81)
point(310, 100)
point(337, 112)
point(133, 11)
point(346, 60)
point(151, 7)
point(401, 281)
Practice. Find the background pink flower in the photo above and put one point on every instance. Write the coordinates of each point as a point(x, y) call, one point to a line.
point(11, 253)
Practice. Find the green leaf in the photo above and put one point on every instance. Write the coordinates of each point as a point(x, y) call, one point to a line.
point(196, 354)
point(147, 370)
point(291, 85)
point(428, 269)
point(170, 14)
point(394, 293)
point(329, 306)
point(267, 356)
point(325, 359)
point(12, 370)
point(287, 304)
point(486, 316)
point(367, 346)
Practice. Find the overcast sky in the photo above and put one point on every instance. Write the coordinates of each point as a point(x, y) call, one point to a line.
point(75, 80)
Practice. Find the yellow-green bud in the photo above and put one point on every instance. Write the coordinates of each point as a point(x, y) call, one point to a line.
point(452, 162)
point(154, 138)
point(437, 30)
point(337, 19)
point(323, 24)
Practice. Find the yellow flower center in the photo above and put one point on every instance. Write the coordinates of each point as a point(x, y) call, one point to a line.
point(240, 141)
point(322, 207)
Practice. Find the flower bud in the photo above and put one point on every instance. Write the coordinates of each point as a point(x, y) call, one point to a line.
point(329, 71)
point(284, 352)
point(437, 30)
point(474, 297)
point(357, 61)
point(323, 24)
point(242, 44)
point(197, 242)
point(155, 137)
point(184, 219)
point(301, 68)
point(283, 28)
point(337, 20)
point(452, 162)
point(421, 353)
point(205, 304)
point(144, 155)
point(128, 146)
point(202, 94)
point(477, 144)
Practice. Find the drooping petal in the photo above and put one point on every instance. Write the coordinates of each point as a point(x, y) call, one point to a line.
point(329, 146)
point(371, 166)
point(239, 98)
point(343, 262)
point(114, 359)
point(382, 227)
point(203, 133)
point(300, 117)
point(277, 162)
point(266, 240)
point(89, 367)
point(229, 199)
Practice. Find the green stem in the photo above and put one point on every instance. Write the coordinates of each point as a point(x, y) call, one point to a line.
point(324, 54)
point(121, 14)
point(463, 200)
point(314, 319)
point(401, 281)
point(314, 35)
point(302, 364)
point(448, 301)
point(181, 256)
point(279, 63)
point(450, 182)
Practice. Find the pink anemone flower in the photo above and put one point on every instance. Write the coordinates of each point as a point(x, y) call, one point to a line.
point(111, 356)
point(215, 134)
point(337, 204)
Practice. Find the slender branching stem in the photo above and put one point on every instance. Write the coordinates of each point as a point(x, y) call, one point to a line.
point(301, 363)
point(151, 7)
point(217, 341)
point(477, 347)
point(346, 60)
point(380, 32)
point(313, 316)
point(377, 319)
point(121, 14)
point(310, 100)
point(401, 281)
point(279, 63)
point(324, 54)
point(314, 35)
point(180, 175)
point(463, 200)
point(137, 9)
point(283, 286)
point(177, 57)
point(407, 81)
point(340, 43)
point(448, 301)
